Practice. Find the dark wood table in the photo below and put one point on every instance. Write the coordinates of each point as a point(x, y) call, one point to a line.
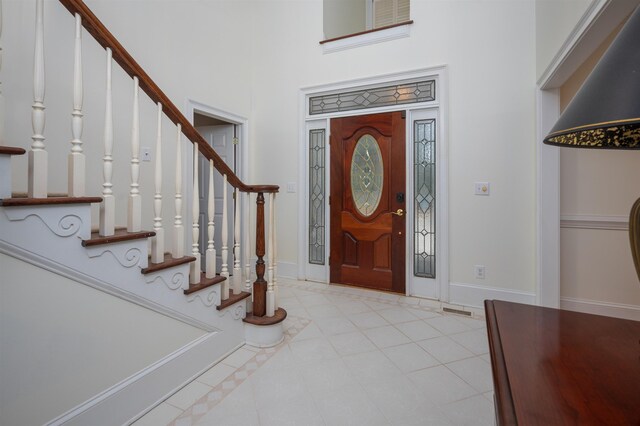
point(556, 367)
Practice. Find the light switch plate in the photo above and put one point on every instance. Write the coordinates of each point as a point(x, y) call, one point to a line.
point(482, 188)
point(292, 187)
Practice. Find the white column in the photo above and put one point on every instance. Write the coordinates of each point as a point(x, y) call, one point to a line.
point(107, 207)
point(271, 298)
point(76, 160)
point(157, 243)
point(211, 210)
point(178, 228)
point(224, 272)
point(274, 279)
point(247, 253)
point(134, 217)
point(194, 275)
point(237, 272)
point(37, 187)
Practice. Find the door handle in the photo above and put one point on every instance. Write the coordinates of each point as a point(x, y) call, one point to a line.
point(398, 212)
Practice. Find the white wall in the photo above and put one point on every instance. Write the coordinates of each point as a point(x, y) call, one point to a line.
point(490, 50)
point(63, 342)
point(192, 49)
point(555, 19)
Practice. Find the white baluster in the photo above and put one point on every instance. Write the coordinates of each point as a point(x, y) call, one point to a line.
point(270, 294)
point(194, 276)
point(134, 217)
point(178, 228)
point(225, 237)
point(237, 272)
point(37, 187)
point(76, 174)
point(248, 287)
point(157, 243)
point(275, 254)
point(107, 207)
point(211, 210)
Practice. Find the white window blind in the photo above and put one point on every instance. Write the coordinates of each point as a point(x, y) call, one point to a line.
point(389, 12)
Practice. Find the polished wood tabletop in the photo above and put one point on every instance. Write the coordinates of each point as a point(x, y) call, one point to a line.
point(557, 367)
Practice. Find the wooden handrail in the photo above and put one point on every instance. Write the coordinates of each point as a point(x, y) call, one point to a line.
point(104, 37)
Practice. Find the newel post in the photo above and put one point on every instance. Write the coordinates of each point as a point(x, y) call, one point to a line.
point(260, 285)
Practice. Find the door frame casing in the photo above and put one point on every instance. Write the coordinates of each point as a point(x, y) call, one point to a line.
point(191, 107)
point(307, 122)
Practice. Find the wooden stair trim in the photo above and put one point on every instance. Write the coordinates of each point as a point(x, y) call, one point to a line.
point(204, 283)
point(233, 298)
point(50, 201)
point(11, 150)
point(169, 262)
point(279, 316)
point(119, 236)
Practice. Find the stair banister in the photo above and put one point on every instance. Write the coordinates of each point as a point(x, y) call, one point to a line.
point(178, 227)
point(211, 227)
point(37, 185)
point(157, 243)
point(237, 272)
point(134, 217)
point(194, 275)
point(260, 285)
point(107, 207)
point(224, 271)
point(76, 177)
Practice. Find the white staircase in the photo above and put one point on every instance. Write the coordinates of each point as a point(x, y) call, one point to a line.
point(146, 268)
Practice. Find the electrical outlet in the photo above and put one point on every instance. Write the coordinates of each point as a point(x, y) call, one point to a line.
point(146, 153)
point(479, 272)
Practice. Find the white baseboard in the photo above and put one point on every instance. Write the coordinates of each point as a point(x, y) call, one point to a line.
point(475, 295)
point(128, 400)
point(617, 310)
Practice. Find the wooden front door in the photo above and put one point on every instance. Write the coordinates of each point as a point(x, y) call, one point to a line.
point(368, 201)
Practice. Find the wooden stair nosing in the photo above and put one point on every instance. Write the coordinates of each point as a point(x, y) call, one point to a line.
point(119, 236)
point(12, 150)
point(204, 283)
point(233, 298)
point(169, 262)
point(279, 316)
point(14, 202)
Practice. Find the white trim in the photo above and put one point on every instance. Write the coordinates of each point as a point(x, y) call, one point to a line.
point(611, 223)
point(64, 271)
point(379, 36)
point(474, 296)
point(597, 22)
point(617, 310)
point(287, 269)
point(133, 397)
point(547, 203)
point(439, 74)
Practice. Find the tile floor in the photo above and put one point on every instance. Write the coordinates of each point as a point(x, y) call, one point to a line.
point(350, 357)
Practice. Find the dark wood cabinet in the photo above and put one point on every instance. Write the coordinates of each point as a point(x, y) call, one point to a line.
point(556, 367)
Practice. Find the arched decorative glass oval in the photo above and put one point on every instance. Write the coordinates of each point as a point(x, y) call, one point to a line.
point(367, 175)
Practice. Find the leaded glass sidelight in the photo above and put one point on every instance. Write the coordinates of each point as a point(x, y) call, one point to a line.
point(424, 172)
point(316, 196)
point(367, 175)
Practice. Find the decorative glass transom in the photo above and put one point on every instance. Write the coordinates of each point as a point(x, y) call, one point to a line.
point(398, 94)
point(366, 175)
point(316, 196)
point(424, 189)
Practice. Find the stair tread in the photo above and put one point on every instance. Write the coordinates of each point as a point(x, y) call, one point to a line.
point(25, 201)
point(119, 236)
point(279, 316)
point(233, 298)
point(11, 150)
point(204, 283)
point(169, 262)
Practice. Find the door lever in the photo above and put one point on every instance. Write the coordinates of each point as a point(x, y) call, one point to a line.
point(398, 212)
